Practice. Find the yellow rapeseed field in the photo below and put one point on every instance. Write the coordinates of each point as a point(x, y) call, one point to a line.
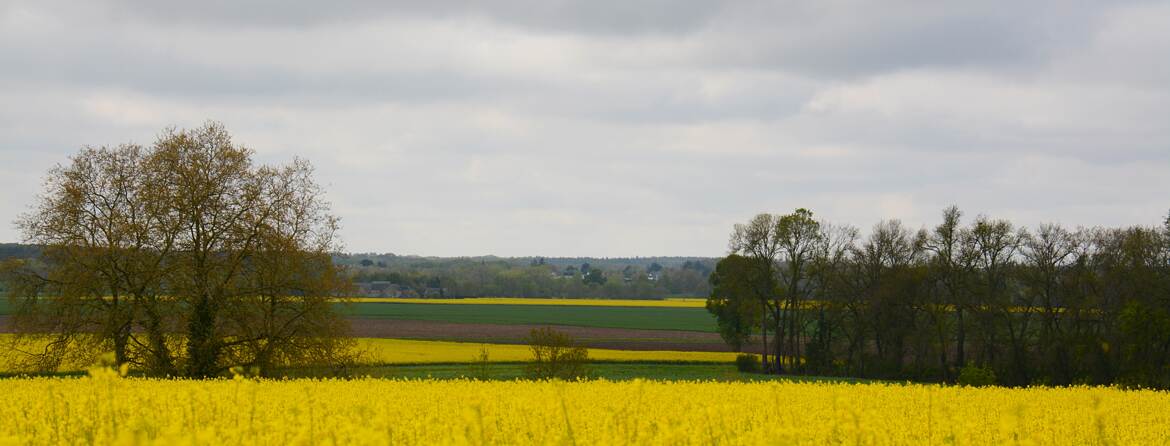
point(669, 303)
point(403, 351)
point(105, 409)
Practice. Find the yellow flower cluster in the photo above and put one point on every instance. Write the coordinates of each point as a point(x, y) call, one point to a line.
point(106, 409)
point(404, 351)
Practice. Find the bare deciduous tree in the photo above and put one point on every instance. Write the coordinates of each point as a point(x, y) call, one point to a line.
point(184, 258)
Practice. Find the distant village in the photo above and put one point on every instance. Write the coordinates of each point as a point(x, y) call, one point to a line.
point(381, 288)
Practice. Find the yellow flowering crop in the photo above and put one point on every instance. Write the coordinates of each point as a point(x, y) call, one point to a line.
point(106, 409)
point(670, 303)
point(402, 351)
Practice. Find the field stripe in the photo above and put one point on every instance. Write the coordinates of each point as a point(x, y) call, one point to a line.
point(667, 303)
point(649, 318)
point(405, 351)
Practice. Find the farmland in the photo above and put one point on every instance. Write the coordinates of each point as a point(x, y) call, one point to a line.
point(587, 302)
point(618, 325)
point(593, 337)
point(646, 318)
point(398, 351)
point(105, 409)
point(421, 383)
point(642, 338)
point(685, 315)
point(380, 351)
point(609, 370)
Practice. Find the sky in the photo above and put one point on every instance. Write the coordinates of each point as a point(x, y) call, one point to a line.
point(616, 128)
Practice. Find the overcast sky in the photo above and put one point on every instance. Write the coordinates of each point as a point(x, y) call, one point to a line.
point(598, 128)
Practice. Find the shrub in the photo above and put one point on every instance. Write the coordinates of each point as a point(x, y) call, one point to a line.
point(976, 376)
point(555, 355)
point(747, 363)
point(481, 366)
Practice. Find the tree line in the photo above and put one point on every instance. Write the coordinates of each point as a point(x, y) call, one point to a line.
point(491, 276)
point(182, 258)
point(1048, 305)
point(651, 278)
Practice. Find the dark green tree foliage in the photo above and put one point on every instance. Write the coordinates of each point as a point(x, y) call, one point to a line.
point(594, 277)
point(797, 236)
point(738, 308)
point(747, 363)
point(1048, 306)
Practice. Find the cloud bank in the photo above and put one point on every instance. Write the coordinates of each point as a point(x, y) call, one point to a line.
point(610, 129)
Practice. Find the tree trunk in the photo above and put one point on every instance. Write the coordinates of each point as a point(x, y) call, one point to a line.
point(943, 362)
point(960, 354)
point(778, 339)
point(121, 343)
point(161, 360)
point(202, 347)
point(764, 338)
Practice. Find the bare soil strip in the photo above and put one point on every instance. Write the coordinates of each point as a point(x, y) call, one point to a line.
point(611, 338)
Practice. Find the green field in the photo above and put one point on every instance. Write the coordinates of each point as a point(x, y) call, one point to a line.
point(688, 319)
point(608, 370)
point(613, 371)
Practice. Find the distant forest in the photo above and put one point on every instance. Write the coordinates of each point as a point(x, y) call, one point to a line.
point(377, 274)
point(10, 251)
point(569, 277)
point(18, 251)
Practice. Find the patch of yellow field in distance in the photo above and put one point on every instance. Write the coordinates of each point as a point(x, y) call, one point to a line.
point(407, 351)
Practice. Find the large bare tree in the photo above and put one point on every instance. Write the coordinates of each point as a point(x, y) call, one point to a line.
point(184, 258)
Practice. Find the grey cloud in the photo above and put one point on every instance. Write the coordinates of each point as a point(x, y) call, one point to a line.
point(839, 38)
point(599, 128)
point(104, 64)
point(655, 16)
point(844, 39)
